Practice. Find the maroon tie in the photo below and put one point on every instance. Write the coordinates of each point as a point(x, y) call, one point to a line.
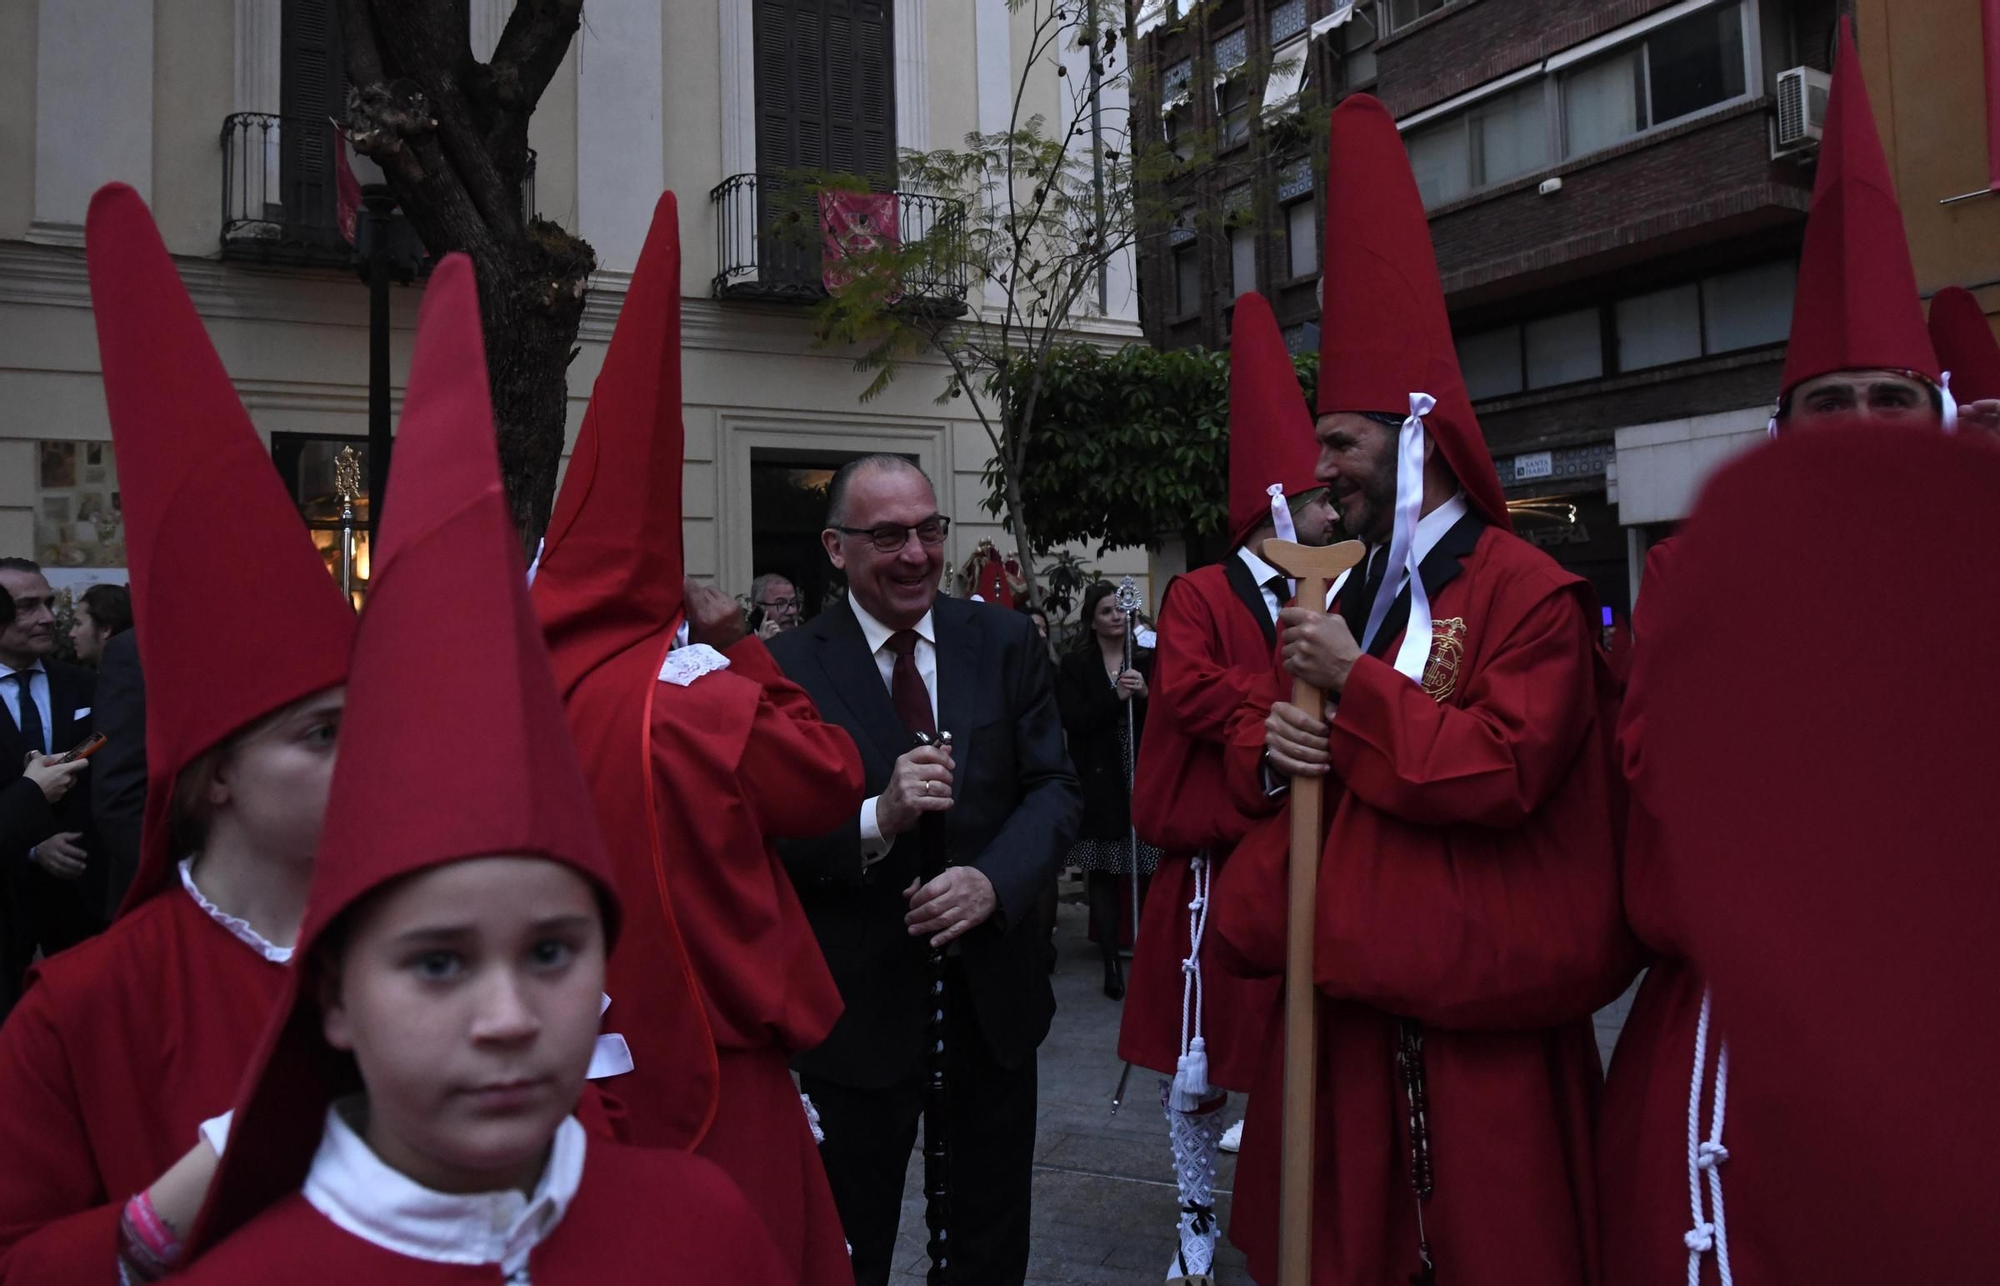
point(906, 687)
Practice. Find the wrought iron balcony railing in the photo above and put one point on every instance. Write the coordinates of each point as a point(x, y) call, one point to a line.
point(770, 236)
point(280, 198)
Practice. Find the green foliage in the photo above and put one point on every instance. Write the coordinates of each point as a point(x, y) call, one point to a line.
point(1131, 446)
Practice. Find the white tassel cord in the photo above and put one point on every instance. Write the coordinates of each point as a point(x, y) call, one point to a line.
point(1282, 524)
point(1191, 1085)
point(1415, 652)
point(1707, 1156)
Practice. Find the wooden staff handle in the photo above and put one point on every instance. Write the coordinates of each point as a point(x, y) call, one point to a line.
point(1314, 569)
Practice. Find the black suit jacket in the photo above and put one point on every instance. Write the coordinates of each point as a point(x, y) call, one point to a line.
point(72, 693)
point(1094, 718)
point(1015, 814)
point(118, 772)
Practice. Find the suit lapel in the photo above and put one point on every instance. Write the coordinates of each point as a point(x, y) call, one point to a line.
point(1252, 595)
point(845, 657)
point(960, 647)
point(1440, 567)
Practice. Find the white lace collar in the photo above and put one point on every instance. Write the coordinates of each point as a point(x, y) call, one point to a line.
point(359, 1192)
point(238, 929)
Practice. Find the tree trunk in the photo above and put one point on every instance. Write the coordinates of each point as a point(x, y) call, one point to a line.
point(1017, 517)
point(451, 135)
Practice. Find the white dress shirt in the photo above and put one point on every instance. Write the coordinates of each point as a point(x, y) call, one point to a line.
point(359, 1192)
point(38, 688)
point(1262, 572)
point(873, 843)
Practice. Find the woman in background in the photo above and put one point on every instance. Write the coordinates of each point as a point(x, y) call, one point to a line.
point(1094, 689)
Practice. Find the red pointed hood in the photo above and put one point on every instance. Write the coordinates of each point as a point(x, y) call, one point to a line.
point(1384, 334)
point(1270, 429)
point(612, 563)
point(453, 746)
point(1965, 345)
point(211, 535)
point(1857, 306)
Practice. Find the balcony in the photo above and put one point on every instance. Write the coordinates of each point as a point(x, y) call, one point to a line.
point(280, 197)
point(769, 238)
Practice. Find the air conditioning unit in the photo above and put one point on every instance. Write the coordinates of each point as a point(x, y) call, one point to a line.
point(1802, 95)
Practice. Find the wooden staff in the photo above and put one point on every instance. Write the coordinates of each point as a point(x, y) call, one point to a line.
point(1313, 569)
point(934, 857)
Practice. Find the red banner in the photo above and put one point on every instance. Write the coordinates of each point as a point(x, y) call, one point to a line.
point(347, 189)
point(855, 223)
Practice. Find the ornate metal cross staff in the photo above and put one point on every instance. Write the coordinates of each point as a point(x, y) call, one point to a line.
point(1314, 569)
point(934, 858)
point(347, 485)
point(1128, 598)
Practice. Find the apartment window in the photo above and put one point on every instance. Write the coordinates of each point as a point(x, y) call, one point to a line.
point(1177, 109)
point(1187, 279)
point(1500, 138)
point(1355, 39)
point(1658, 328)
point(1302, 234)
point(1563, 349)
point(1404, 12)
point(1242, 260)
point(826, 87)
point(1286, 20)
point(1750, 307)
point(1491, 362)
point(1673, 72)
point(1232, 109)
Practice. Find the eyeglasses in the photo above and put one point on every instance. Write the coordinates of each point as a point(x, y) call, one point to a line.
point(777, 604)
point(890, 538)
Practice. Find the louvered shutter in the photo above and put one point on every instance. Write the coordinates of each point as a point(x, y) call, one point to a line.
point(312, 90)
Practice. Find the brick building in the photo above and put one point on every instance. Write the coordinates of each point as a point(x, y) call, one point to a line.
point(1616, 223)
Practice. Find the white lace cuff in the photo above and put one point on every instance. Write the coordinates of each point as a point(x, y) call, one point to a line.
point(686, 664)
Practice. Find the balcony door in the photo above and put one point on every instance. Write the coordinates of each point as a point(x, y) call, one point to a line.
point(826, 101)
point(312, 95)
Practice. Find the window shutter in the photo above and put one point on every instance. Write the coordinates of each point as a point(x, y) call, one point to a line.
point(312, 88)
point(875, 93)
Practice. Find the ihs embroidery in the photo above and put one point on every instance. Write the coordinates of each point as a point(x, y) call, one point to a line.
point(1447, 650)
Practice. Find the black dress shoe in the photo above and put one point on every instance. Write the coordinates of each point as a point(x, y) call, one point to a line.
point(1114, 981)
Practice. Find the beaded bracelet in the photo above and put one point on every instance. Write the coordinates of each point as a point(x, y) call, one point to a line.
point(147, 1247)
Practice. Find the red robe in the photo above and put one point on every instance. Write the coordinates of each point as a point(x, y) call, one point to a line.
point(1211, 655)
point(1642, 1131)
point(736, 759)
point(640, 1216)
point(121, 1048)
point(1468, 883)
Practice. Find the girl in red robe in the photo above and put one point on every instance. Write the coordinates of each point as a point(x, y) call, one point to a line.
point(125, 1044)
point(699, 753)
point(410, 1116)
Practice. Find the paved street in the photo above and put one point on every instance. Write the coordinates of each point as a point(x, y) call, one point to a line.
point(1104, 1195)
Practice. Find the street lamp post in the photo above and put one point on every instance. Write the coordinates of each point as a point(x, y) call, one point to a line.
point(378, 240)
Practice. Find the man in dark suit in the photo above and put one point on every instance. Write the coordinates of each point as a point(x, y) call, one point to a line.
point(892, 661)
point(55, 894)
point(118, 772)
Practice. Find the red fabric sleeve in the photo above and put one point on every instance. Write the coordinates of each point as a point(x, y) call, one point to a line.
point(797, 770)
point(56, 1227)
point(1493, 760)
point(1191, 686)
point(1243, 756)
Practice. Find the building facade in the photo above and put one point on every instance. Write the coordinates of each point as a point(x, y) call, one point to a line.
point(1616, 217)
point(214, 110)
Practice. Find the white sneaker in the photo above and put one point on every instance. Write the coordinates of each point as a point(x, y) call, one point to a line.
point(1232, 1138)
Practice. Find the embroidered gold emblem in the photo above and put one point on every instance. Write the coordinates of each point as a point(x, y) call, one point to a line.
point(1447, 650)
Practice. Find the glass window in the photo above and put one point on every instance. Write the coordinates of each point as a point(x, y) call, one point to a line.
point(1750, 307)
point(1355, 39)
point(1187, 280)
point(1695, 63)
point(1442, 161)
point(1659, 328)
point(1287, 19)
point(1404, 12)
point(1601, 103)
point(1302, 234)
point(1232, 102)
point(1510, 136)
point(1179, 129)
point(1491, 362)
point(1242, 260)
point(1563, 349)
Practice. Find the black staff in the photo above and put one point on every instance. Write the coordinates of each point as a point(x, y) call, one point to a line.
point(937, 1093)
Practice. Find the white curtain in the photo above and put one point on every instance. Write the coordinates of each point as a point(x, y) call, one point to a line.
point(1601, 103)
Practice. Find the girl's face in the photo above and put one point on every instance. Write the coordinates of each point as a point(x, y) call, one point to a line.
point(468, 995)
point(273, 783)
point(1109, 618)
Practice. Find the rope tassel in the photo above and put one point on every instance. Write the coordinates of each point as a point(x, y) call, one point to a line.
point(1191, 1085)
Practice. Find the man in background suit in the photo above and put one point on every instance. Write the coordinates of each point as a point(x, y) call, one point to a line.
point(892, 661)
point(118, 772)
point(55, 894)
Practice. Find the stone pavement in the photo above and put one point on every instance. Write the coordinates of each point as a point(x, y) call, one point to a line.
point(1105, 1200)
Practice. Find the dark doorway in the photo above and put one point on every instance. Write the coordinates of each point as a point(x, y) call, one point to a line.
point(787, 514)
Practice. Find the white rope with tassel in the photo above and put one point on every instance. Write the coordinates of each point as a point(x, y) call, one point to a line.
point(1415, 652)
point(1707, 1156)
point(1283, 526)
point(1191, 1087)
